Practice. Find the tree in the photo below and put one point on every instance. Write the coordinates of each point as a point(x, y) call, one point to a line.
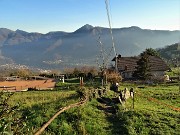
point(113, 77)
point(93, 71)
point(76, 72)
point(143, 69)
point(68, 72)
point(55, 72)
point(21, 73)
point(151, 52)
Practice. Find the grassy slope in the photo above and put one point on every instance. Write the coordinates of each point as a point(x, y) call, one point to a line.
point(150, 117)
point(39, 106)
point(147, 118)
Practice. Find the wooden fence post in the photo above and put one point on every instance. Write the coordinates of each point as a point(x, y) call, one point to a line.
point(133, 99)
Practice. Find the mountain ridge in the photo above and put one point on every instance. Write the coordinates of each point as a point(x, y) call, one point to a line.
point(78, 47)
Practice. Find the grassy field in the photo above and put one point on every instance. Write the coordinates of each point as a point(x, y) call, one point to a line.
point(98, 118)
point(151, 117)
point(39, 106)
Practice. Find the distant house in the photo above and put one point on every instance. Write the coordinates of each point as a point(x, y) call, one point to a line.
point(127, 65)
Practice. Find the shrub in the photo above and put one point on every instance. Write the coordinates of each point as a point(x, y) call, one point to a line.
point(82, 92)
point(114, 77)
point(10, 122)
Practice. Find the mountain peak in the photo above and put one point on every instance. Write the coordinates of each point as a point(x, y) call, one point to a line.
point(135, 28)
point(21, 31)
point(87, 26)
point(84, 28)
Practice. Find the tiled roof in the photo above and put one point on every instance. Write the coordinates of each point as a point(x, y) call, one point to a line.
point(128, 64)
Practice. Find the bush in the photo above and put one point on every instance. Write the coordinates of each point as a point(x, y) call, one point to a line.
point(114, 77)
point(10, 122)
point(82, 92)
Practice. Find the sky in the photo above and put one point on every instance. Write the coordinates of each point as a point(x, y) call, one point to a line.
point(68, 15)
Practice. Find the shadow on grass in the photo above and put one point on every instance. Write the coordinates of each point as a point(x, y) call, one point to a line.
point(117, 126)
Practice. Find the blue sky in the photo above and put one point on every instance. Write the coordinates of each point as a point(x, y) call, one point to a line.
point(68, 15)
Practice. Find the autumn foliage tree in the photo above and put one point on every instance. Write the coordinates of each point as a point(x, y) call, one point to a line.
point(113, 77)
point(21, 73)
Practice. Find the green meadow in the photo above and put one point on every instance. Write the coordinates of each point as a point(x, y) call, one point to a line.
point(99, 117)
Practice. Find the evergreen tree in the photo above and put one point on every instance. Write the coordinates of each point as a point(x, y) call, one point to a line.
point(151, 52)
point(143, 69)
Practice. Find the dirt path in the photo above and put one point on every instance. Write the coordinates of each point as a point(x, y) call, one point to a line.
point(108, 106)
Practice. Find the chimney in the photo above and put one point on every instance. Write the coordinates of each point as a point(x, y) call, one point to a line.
point(119, 56)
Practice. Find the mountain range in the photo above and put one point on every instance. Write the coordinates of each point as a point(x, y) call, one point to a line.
point(84, 46)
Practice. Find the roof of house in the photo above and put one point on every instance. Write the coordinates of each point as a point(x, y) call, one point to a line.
point(129, 64)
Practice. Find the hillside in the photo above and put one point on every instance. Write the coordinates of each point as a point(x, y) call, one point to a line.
point(171, 53)
point(61, 49)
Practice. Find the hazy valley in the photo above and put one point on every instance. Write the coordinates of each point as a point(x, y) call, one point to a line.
point(81, 47)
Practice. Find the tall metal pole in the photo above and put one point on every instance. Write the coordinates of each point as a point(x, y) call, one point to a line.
point(112, 38)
